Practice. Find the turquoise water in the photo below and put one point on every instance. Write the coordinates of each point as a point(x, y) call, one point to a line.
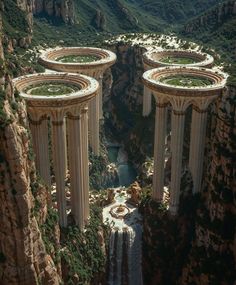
point(127, 173)
point(113, 153)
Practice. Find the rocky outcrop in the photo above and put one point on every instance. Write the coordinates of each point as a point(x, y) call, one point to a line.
point(213, 17)
point(64, 9)
point(215, 238)
point(99, 20)
point(24, 259)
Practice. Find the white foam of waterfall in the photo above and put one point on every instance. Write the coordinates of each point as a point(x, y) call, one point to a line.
point(119, 257)
point(111, 257)
point(135, 255)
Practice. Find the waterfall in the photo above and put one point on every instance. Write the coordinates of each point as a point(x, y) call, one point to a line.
point(135, 255)
point(127, 241)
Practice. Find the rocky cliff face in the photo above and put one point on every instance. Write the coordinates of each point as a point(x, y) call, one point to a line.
point(64, 9)
point(213, 17)
point(213, 250)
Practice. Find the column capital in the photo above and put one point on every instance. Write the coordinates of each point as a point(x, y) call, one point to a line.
point(179, 105)
point(202, 104)
point(197, 109)
point(57, 116)
point(37, 120)
point(161, 105)
point(73, 117)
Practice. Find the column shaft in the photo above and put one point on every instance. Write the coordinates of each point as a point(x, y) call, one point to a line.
point(59, 148)
point(147, 101)
point(177, 138)
point(41, 148)
point(159, 152)
point(94, 124)
point(100, 98)
point(76, 167)
point(197, 144)
point(84, 122)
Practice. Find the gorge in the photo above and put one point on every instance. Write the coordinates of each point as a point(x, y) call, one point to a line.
point(147, 245)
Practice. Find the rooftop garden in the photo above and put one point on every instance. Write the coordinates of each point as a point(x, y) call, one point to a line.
point(78, 58)
point(186, 80)
point(51, 89)
point(178, 60)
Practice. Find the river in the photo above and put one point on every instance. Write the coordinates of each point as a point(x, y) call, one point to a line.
point(126, 172)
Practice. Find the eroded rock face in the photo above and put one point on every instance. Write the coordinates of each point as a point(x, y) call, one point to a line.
point(61, 9)
point(23, 256)
point(215, 227)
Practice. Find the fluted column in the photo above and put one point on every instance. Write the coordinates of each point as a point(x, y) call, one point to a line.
point(100, 97)
point(159, 151)
point(197, 146)
point(94, 124)
point(147, 101)
point(39, 130)
point(177, 138)
point(76, 167)
point(59, 148)
point(84, 122)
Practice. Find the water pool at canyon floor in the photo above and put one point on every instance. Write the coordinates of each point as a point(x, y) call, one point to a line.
point(126, 171)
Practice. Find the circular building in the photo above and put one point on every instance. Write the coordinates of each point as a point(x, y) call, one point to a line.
point(61, 99)
point(181, 87)
point(184, 58)
point(89, 61)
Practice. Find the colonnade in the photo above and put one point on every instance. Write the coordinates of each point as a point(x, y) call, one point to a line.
point(95, 69)
point(180, 100)
point(76, 125)
point(67, 117)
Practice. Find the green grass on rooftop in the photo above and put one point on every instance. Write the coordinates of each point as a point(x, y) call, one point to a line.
point(78, 58)
point(186, 80)
point(51, 89)
point(178, 60)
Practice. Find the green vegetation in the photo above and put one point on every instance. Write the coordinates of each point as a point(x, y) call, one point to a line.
point(79, 251)
point(78, 58)
point(186, 80)
point(14, 20)
point(51, 89)
point(178, 60)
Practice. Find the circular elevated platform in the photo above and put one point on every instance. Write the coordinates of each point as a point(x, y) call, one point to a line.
point(189, 84)
point(77, 59)
point(56, 89)
point(155, 59)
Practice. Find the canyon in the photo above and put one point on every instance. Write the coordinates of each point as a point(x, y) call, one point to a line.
point(195, 247)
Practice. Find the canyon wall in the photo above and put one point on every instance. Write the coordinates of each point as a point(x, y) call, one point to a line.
point(23, 257)
point(213, 17)
point(64, 9)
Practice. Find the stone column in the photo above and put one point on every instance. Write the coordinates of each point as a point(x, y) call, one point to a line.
point(100, 97)
point(197, 146)
point(159, 151)
point(84, 123)
point(177, 138)
point(94, 124)
point(76, 167)
point(59, 148)
point(147, 101)
point(39, 130)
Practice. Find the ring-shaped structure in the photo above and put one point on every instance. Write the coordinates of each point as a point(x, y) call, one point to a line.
point(155, 59)
point(105, 59)
point(153, 79)
point(87, 89)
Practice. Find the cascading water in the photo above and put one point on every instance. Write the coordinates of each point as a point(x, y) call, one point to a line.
point(134, 255)
point(125, 246)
